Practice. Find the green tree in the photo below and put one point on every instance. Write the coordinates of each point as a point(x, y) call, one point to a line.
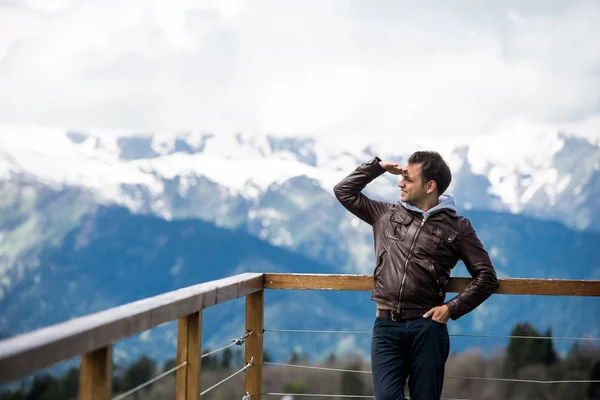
point(238, 358)
point(298, 357)
point(331, 358)
point(14, 394)
point(352, 382)
point(70, 383)
point(169, 364)
point(549, 356)
point(593, 390)
point(53, 392)
point(267, 356)
point(294, 358)
point(117, 381)
point(43, 387)
point(139, 372)
point(296, 387)
point(522, 352)
point(226, 358)
point(577, 365)
point(209, 362)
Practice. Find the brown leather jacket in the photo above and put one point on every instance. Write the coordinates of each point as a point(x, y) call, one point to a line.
point(415, 256)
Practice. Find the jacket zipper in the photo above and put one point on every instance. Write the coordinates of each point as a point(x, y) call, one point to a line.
point(406, 263)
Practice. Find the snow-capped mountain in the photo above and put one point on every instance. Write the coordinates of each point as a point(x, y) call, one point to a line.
point(521, 173)
point(273, 186)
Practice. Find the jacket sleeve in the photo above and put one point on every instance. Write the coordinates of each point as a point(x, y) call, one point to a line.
point(348, 192)
point(479, 265)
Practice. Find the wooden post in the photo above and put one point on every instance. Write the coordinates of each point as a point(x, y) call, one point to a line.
point(189, 348)
point(254, 344)
point(95, 375)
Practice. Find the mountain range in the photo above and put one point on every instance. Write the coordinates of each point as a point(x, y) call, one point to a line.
point(267, 184)
point(90, 220)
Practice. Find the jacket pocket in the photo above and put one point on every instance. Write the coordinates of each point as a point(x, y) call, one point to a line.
point(433, 273)
point(385, 279)
point(444, 235)
point(442, 284)
point(397, 226)
point(379, 264)
point(441, 237)
point(440, 281)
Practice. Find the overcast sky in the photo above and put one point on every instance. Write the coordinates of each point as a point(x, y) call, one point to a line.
point(380, 69)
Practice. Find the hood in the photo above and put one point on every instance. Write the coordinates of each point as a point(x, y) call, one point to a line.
point(445, 202)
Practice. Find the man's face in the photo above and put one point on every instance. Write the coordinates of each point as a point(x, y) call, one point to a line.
point(411, 185)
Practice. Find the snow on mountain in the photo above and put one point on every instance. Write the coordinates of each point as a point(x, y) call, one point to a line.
point(103, 160)
point(516, 170)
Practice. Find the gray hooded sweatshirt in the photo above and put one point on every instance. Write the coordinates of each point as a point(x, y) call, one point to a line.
point(446, 201)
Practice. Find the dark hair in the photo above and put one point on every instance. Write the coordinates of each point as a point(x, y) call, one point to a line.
point(433, 168)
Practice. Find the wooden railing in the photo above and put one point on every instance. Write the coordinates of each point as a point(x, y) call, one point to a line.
point(92, 336)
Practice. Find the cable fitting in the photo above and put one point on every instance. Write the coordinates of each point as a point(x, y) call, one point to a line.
point(250, 363)
point(240, 341)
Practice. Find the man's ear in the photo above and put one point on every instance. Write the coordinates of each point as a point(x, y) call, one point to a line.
point(431, 186)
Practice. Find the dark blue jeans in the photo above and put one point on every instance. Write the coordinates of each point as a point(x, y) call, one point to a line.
point(416, 349)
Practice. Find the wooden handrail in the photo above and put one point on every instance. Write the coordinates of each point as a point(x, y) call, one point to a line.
point(92, 336)
point(27, 353)
point(549, 287)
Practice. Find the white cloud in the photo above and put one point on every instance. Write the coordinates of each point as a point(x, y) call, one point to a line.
point(348, 68)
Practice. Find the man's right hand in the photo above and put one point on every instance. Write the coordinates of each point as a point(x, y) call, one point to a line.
point(393, 168)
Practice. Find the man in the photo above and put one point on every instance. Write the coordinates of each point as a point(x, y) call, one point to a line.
point(418, 241)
